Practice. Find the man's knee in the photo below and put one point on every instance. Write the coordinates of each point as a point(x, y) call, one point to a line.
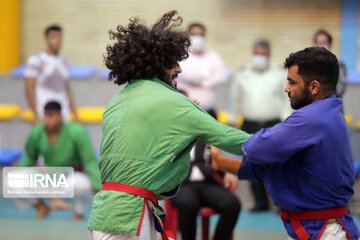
point(230, 203)
point(186, 200)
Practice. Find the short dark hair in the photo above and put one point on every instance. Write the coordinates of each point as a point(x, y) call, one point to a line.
point(52, 28)
point(323, 32)
point(316, 63)
point(141, 52)
point(53, 105)
point(262, 43)
point(196, 24)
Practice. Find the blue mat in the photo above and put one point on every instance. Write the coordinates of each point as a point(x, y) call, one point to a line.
point(357, 168)
point(104, 74)
point(75, 71)
point(353, 77)
point(18, 72)
point(82, 71)
point(9, 155)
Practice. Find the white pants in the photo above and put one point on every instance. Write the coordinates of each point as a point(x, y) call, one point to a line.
point(333, 231)
point(147, 231)
point(82, 191)
point(82, 194)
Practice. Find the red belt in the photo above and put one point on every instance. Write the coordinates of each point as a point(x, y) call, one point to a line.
point(326, 214)
point(147, 195)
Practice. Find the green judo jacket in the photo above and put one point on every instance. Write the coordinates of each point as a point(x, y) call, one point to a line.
point(148, 131)
point(71, 148)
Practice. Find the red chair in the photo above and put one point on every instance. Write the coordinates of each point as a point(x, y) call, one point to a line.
point(171, 216)
point(205, 213)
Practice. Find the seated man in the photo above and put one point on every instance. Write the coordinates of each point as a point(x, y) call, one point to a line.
point(63, 145)
point(205, 187)
point(306, 162)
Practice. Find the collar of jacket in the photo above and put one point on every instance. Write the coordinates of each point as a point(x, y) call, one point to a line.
point(159, 82)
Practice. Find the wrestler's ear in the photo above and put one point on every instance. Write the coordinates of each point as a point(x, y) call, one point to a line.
point(314, 87)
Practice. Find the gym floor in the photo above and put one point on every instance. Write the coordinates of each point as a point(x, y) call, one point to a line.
point(16, 225)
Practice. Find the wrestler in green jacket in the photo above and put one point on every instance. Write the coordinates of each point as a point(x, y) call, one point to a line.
point(148, 130)
point(71, 148)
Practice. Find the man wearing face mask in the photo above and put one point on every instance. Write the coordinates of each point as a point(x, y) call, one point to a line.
point(257, 96)
point(323, 38)
point(202, 71)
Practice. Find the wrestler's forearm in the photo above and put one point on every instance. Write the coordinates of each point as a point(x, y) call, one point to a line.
point(30, 94)
point(71, 100)
point(227, 164)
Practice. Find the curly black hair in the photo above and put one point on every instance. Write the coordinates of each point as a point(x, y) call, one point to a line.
point(142, 53)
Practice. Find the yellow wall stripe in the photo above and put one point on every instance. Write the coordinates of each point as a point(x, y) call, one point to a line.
point(9, 32)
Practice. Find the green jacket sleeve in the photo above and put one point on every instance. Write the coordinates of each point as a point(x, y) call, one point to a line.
point(31, 148)
point(87, 156)
point(212, 132)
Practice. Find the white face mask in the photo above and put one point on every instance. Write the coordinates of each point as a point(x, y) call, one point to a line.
point(260, 62)
point(197, 43)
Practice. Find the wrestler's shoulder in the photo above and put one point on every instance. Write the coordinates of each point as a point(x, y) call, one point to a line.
point(37, 130)
point(308, 116)
point(74, 127)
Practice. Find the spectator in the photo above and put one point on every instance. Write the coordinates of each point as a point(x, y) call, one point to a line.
point(322, 38)
point(206, 187)
point(62, 145)
point(202, 71)
point(46, 77)
point(257, 95)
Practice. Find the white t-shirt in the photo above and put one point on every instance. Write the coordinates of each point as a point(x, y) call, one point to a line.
point(51, 74)
point(196, 174)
